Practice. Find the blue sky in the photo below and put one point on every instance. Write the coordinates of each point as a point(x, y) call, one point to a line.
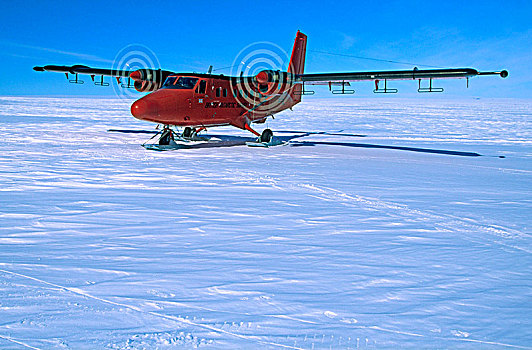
point(190, 36)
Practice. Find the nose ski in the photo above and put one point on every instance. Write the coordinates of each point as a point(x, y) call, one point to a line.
point(171, 140)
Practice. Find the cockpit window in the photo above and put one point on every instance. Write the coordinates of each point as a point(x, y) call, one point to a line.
point(180, 83)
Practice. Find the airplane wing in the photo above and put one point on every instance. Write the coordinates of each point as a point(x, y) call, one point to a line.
point(343, 79)
point(397, 75)
point(141, 79)
point(80, 69)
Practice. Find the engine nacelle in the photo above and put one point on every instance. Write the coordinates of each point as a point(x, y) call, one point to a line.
point(274, 76)
point(273, 81)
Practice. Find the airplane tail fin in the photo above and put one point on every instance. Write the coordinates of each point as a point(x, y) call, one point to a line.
point(297, 63)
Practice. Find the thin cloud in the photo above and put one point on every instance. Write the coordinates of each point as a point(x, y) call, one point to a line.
point(83, 56)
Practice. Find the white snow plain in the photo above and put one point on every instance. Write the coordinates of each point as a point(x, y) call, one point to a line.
point(104, 244)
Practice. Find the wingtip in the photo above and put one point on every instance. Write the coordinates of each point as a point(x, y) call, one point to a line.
point(38, 69)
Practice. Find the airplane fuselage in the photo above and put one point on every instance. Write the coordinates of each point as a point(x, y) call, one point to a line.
point(201, 100)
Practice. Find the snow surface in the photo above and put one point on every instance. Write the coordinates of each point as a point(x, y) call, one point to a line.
point(104, 244)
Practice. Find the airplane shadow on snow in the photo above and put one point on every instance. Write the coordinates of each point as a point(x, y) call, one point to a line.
point(293, 141)
point(230, 141)
point(399, 148)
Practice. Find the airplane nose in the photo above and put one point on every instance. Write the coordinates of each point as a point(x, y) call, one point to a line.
point(142, 109)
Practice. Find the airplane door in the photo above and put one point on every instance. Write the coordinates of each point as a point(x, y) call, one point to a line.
point(208, 97)
point(200, 93)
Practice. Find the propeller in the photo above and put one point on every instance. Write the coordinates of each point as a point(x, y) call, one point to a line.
point(260, 82)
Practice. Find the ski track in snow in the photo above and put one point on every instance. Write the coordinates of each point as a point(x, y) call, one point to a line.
point(449, 222)
point(18, 342)
point(80, 292)
point(104, 244)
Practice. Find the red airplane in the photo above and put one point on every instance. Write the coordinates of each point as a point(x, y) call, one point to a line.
point(197, 101)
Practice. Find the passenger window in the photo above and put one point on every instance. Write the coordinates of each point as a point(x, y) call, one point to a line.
point(225, 92)
point(218, 92)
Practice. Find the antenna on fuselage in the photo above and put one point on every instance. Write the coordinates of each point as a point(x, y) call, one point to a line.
point(210, 70)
